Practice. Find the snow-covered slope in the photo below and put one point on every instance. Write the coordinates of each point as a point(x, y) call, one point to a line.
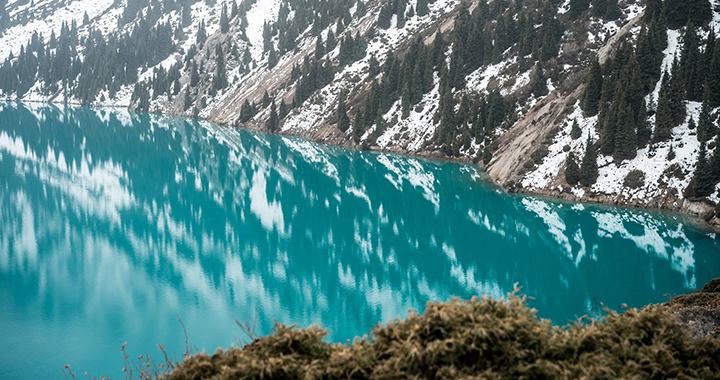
point(252, 38)
point(667, 166)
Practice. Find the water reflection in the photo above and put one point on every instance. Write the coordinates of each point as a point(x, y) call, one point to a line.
point(113, 223)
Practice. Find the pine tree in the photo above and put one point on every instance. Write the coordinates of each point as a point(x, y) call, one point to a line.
point(653, 9)
point(358, 126)
point(224, 21)
point(331, 42)
point(713, 77)
point(540, 87)
point(593, 90)
point(272, 122)
point(663, 118)
point(572, 171)
point(577, 7)
point(343, 119)
point(220, 79)
point(201, 36)
point(283, 111)
point(626, 140)
point(679, 12)
point(194, 76)
point(715, 164)
point(422, 8)
point(702, 182)
point(690, 62)
point(266, 99)
point(272, 58)
point(643, 128)
point(705, 127)
point(186, 17)
point(575, 131)
point(676, 95)
point(613, 11)
point(319, 48)
point(589, 168)
point(187, 101)
point(600, 7)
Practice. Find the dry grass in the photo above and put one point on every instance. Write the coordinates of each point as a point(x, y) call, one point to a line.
point(475, 339)
point(708, 297)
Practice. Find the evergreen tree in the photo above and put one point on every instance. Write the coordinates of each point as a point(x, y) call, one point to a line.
point(331, 42)
point(342, 117)
point(273, 121)
point(319, 48)
point(653, 10)
point(283, 111)
point(186, 16)
point(572, 171)
point(194, 76)
point(422, 8)
point(626, 140)
point(690, 65)
point(272, 58)
point(224, 21)
point(593, 90)
point(266, 99)
point(702, 182)
point(540, 87)
point(600, 7)
point(676, 95)
point(358, 126)
point(575, 131)
point(589, 167)
point(220, 79)
point(663, 119)
point(577, 7)
point(613, 11)
point(247, 111)
point(643, 128)
point(713, 77)
point(188, 100)
point(679, 12)
point(201, 36)
point(705, 127)
point(384, 18)
point(715, 164)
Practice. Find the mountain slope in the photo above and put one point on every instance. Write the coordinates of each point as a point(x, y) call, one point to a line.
point(501, 83)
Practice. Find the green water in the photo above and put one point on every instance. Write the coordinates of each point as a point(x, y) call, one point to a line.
point(113, 224)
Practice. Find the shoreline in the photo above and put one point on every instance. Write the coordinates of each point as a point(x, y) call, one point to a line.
point(702, 212)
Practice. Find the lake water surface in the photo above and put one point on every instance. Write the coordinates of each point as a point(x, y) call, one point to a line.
point(113, 224)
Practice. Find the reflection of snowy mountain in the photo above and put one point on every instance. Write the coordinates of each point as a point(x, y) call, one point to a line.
point(152, 215)
point(664, 239)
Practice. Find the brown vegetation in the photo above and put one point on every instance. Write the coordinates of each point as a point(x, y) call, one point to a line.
point(481, 339)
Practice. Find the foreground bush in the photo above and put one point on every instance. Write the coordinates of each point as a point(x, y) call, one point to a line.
point(475, 339)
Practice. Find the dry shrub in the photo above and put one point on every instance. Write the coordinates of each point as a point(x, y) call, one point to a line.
point(476, 339)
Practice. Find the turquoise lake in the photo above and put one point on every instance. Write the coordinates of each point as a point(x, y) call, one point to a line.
point(114, 224)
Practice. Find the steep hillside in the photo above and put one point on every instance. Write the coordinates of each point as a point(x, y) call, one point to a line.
point(519, 87)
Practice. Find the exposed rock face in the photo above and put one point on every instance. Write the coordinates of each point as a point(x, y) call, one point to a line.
point(699, 311)
point(701, 321)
